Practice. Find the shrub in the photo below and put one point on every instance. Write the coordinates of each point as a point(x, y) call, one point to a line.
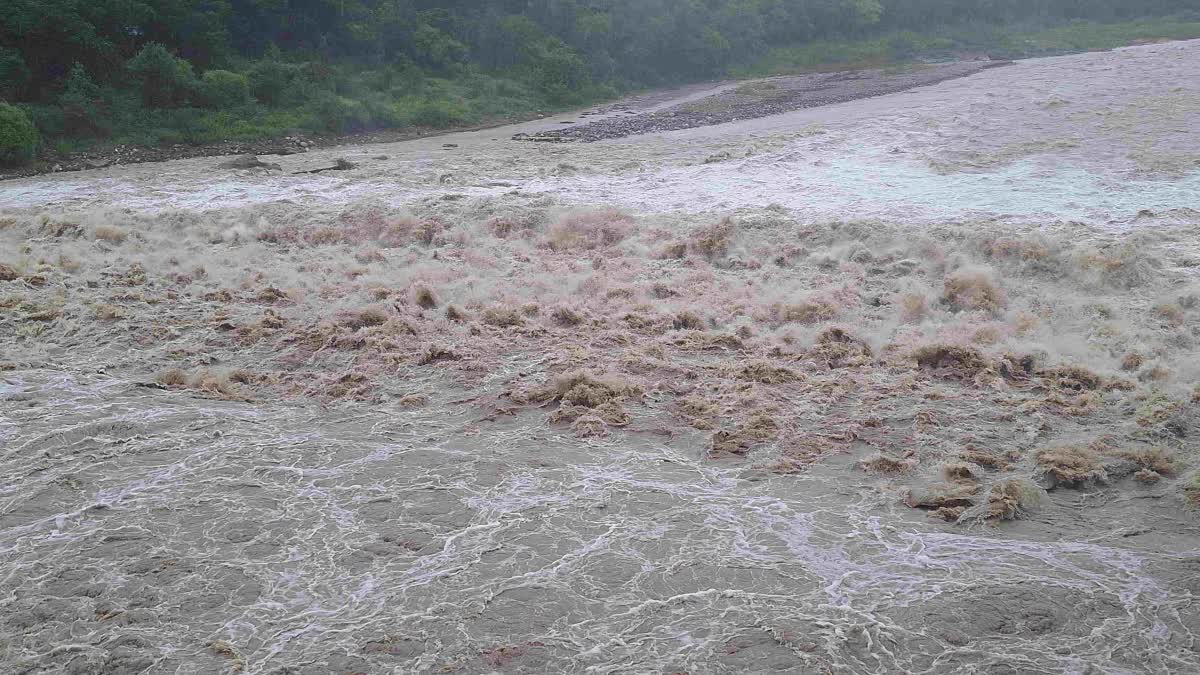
point(14, 74)
point(224, 89)
point(48, 119)
point(166, 80)
point(18, 137)
point(555, 69)
point(270, 81)
point(437, 49)
point(336, 114)
point(80, 103)
point(437, 114)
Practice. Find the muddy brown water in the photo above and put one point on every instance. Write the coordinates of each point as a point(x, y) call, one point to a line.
point(152, 531)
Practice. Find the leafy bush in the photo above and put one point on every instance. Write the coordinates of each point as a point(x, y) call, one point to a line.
point(80, 100)
point(224, 89)
point(48, 119)
point(166, 80)
point(336, 114)
point(434, 113)
point(436, 49)
point(18, 137)
point(14, 74)
point(314, 78)
point(556, 70)
point(270, 81)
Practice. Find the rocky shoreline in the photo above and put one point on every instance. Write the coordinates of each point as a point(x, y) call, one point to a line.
point(753, 99)
point(763, 98)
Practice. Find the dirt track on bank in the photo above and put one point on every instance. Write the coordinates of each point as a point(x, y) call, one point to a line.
point(762, 98)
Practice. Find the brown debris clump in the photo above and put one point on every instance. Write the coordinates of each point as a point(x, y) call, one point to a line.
point(363, 318)
point(502, 317)
point(610, 412)
point(425, 297)
point(951, 361)
point(883, 463)
point(767, 373)
point(759, 428)
point(947, 500)
point(434, 353)
point(1157, 460)
point(712, 241)
point(837, 348)
point(986, 459)
point(1012, 499)
point(698, 412)
point(687, 320)
point(972, 291)
point(1071, 466)
point(1073, 377)
point(581, 388)
point(219, 385)
point(565, 317)
point(588, 231)
point(959, 471)
point(808, 312)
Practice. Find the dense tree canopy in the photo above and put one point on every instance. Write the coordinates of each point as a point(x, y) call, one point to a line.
point(636, 40)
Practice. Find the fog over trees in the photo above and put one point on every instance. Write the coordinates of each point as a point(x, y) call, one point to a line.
point(190, 71)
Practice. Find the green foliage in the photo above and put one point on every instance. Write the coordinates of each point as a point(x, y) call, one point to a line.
point(436, 49)
point(1088, 36)
point(18, 137)
point(166, 80)
point(125, 70)
point(224, 89)
point(14, 74)
point(81, 105)
point(48, 119)
point(437, 114)
point(335, 114)
point(556, 70)
point(270, 80)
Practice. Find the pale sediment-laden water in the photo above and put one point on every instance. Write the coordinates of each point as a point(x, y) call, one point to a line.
point(238, 436)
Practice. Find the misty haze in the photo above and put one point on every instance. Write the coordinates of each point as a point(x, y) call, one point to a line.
point(599, 336)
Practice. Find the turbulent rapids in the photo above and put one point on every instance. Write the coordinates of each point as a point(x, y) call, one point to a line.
point(903, 384)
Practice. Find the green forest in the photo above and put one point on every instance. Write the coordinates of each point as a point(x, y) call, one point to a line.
point(151, 72)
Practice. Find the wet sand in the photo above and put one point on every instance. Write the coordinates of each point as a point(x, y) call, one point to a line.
point(905, 384)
